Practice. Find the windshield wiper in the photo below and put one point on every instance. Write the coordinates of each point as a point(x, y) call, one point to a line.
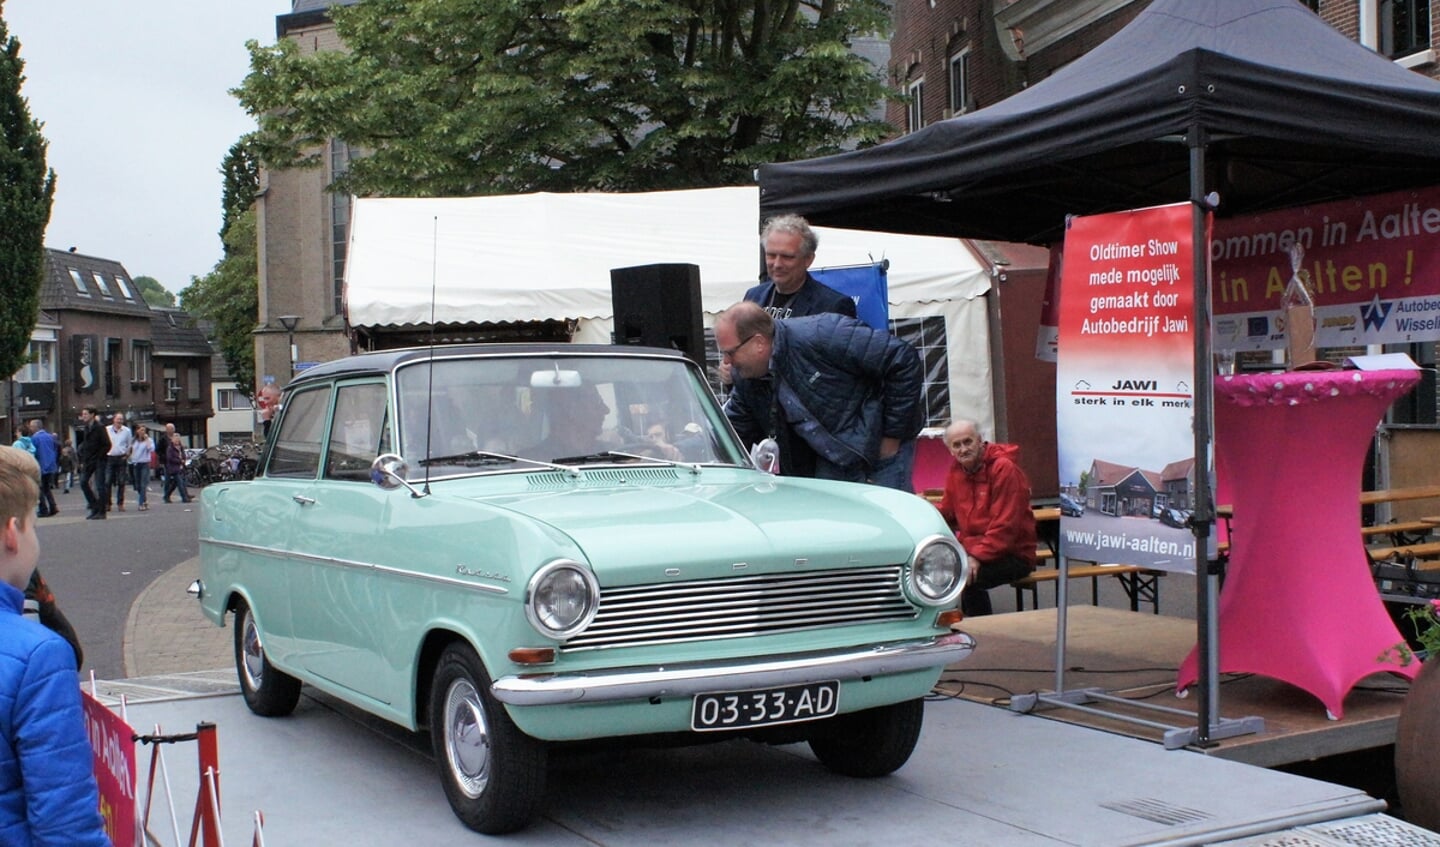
point(484, 458)
point(612, 454)
point(471, 458)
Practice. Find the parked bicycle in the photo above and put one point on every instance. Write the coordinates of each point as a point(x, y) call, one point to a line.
point(222, 463)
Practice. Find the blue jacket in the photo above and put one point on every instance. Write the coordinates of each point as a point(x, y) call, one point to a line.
point(813, 298)
point(47, 783)
point(837, 383)
point(47, 452)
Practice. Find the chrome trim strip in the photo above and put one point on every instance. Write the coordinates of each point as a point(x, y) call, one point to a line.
point(350, 564)
point(607, 686)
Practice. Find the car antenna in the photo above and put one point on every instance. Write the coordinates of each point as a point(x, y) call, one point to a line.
point(430, 389)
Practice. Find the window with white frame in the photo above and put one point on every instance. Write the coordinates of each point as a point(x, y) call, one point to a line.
point(172, 384)
point(124, 287)
point(41, 367)
point(231, 400)
point(139, 361)
point(1404, 27)
point(79, 282)
point(959, 82)
point(101, 284)
point(913, 113)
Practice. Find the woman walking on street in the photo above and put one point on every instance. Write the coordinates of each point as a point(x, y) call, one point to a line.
point(175, 469)
point(141, 450)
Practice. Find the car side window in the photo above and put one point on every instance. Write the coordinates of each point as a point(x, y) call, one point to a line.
point(296, 454)
point(357, 431)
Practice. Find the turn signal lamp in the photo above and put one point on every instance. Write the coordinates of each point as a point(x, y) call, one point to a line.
point(533, 655)
point(949, 618)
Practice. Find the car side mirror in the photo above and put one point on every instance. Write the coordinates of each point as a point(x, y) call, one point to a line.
point(389, 471)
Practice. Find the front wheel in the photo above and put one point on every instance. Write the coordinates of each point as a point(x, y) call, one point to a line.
point(267, 691)
point(494, 774)
point(871, 743)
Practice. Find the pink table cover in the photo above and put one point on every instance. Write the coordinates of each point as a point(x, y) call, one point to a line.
point(1299, 603)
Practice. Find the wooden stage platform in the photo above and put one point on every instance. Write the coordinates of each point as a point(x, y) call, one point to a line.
point(1135, 656)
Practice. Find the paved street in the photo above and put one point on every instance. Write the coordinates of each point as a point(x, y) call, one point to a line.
point(98, 568)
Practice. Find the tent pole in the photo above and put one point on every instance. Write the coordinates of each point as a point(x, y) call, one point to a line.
point(1204, 427)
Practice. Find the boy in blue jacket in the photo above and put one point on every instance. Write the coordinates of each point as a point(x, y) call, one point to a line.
point(48, 794)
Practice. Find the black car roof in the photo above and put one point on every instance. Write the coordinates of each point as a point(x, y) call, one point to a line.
point(385, 361)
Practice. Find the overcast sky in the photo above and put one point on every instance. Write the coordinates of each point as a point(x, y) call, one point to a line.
point(133, 95)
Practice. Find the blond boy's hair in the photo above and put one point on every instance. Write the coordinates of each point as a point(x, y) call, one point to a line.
point(19, 484)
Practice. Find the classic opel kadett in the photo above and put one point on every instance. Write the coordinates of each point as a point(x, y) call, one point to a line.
point(510, 547)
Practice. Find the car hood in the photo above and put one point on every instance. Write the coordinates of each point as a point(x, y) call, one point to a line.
point(637, 533)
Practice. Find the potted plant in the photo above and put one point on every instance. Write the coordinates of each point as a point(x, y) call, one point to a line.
point(1417, 734)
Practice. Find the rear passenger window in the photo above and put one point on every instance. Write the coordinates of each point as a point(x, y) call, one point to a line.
point(296, 454)
point(357, 432)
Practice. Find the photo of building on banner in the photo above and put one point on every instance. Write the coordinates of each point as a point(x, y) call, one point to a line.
point(1125, 399)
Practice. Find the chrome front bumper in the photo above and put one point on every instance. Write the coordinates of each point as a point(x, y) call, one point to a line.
point(668, 681)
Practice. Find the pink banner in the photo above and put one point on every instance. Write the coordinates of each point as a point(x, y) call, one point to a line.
point(1124, 384)
point(1371, 264)
point(111, 740)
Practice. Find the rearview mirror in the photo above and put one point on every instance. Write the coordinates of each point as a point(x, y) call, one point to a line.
point(555, 379)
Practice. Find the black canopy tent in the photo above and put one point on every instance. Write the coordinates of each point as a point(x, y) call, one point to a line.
point(1237, 106)
point(1289, 111)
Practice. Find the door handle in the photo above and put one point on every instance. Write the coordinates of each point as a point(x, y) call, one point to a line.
point(303, 500)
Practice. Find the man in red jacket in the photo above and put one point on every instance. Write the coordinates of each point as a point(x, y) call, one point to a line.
point(987, 503)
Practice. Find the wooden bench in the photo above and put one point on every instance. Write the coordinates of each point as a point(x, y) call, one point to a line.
point(1393, 495)
point(1401, 532)
point(1139, 584)
point(1424, 550)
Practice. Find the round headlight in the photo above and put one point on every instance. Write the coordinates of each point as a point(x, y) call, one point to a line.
point(562, 598)
point(938, 571)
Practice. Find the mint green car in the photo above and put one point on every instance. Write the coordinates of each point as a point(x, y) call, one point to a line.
point(516, 546)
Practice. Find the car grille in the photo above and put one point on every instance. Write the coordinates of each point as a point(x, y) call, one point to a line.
point(713, 609)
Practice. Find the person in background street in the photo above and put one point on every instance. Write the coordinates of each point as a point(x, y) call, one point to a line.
point(67, 466)
point(94, 444)
point(987, 503)
point(118, 459)
point(789, 291)
point(174, 463)
point(843, 401)
point(268, 399)
point(47, 453)
point(48, 794)
point(22, 441)
point(142, 450)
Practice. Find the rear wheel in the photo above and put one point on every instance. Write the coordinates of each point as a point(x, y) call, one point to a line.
point(871, 743)
point(494, 774)
point(267, 691)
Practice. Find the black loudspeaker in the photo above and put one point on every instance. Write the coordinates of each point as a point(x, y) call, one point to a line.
point(659, 306)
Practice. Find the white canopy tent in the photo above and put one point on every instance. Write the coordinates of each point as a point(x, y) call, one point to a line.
point(536, 257)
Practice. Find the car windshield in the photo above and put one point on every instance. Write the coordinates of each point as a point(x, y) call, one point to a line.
point(571, 410)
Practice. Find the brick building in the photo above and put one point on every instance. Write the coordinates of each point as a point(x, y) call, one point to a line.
point(948, 57)
point(97, 343)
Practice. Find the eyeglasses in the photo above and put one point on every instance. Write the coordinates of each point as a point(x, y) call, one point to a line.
point(730, 354)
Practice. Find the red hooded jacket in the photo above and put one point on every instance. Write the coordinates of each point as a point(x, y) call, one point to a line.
point(990, 508)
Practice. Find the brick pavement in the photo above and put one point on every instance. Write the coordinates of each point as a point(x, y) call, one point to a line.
point(165, 632)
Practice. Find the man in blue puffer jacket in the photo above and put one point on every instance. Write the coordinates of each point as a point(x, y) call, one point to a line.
point(842, 401)
point(48, 795)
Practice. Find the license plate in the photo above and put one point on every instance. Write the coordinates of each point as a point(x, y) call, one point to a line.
point(764, 706)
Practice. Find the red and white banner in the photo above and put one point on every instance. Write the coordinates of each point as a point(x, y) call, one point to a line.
point(1124, 383)
point(113, 746)
point(1371, 264)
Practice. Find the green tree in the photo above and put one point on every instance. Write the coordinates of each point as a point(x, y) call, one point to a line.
point(242, 179)
point(227, 297)
point(459, 97)
point(154, 293)
point(27, 189)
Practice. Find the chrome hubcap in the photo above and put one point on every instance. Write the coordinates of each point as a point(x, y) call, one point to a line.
point(467, 738)
point(252, 655)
